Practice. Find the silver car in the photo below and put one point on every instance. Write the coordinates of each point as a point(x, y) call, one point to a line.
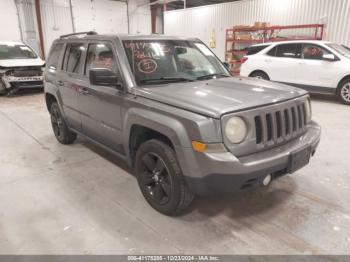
point(170, 108)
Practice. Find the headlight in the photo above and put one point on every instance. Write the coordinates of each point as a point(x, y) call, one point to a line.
point(236, 130)
point(308, 110)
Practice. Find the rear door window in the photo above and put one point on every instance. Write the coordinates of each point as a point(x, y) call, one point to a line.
point(252, 50)
point(289, 50)
point(73, 58)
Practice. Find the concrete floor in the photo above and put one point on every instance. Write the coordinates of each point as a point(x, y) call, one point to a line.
point(78, 199)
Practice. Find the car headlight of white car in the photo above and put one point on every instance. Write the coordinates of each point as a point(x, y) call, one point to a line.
point(308, 111)
point(236, 130)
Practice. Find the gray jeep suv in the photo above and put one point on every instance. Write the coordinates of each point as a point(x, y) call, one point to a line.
point(173, 112)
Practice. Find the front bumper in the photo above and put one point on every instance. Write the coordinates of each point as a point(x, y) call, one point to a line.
point(30, 82)
point(223, 172)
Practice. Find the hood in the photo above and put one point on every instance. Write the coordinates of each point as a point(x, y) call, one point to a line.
point(21, 62)
point(217, 97)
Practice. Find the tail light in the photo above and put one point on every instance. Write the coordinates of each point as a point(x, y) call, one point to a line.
point(244, 59)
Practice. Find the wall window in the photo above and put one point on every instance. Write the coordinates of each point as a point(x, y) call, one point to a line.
point(72, 58)
point(100, 56)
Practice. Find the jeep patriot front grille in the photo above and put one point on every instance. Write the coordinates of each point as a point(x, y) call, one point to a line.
point(280, 125)
point(270, 126)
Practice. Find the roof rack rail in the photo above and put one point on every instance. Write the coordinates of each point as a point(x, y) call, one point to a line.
point(79, 33)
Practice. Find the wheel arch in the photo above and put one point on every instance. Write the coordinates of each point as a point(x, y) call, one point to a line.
point(341, 80)
point(166, 128)
point(49, 99)
point(258, 71)
point(139, 134)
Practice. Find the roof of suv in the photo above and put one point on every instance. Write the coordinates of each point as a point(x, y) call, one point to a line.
point(124, 37)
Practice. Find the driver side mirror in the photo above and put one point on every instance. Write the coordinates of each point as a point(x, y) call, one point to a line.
point(104, 77)
point(329, 57)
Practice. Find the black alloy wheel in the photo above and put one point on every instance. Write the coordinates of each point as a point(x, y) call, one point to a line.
point(160, 177)
point(56, 121)
point(60, 129)
point(155, 178)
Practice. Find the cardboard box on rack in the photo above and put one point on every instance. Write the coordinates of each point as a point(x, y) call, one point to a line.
point(258, 24)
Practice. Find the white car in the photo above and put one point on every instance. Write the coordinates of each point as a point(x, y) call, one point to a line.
point(20, 68)
point(317, 66)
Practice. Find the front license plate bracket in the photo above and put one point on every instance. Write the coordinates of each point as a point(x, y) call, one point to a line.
point(299, 159)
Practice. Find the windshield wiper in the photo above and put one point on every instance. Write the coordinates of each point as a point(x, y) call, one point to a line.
point(211, 76)
point(166, 80)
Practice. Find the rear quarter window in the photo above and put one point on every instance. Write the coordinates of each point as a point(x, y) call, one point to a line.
point(53, 60)
point(272, 52)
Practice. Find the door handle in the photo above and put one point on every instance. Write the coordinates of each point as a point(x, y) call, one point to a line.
point(268, 60)
point(60, 83)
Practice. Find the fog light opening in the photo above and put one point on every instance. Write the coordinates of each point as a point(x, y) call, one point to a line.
point(267, 180)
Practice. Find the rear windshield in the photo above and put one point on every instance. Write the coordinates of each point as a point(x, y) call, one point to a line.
point(16, 52)
point(255, 49)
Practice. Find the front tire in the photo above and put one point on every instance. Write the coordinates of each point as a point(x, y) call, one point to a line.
point(59, 126)
point(343, 91)
point(160, 178)
point(260, 75)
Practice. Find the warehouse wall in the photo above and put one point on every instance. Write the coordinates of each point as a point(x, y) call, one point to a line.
point(103, 16)
point(140, 17)
point(201, 21)
point(56, 20)
point(8, 17)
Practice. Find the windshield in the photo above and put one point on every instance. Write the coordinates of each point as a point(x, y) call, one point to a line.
point(346, 47)
point(166, 61)
point(16, 52)
point(345, 51)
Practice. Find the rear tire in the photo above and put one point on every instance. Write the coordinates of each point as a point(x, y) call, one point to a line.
point(160, 178)
point(343, 91)
point(260, 75)
point(59, 126)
